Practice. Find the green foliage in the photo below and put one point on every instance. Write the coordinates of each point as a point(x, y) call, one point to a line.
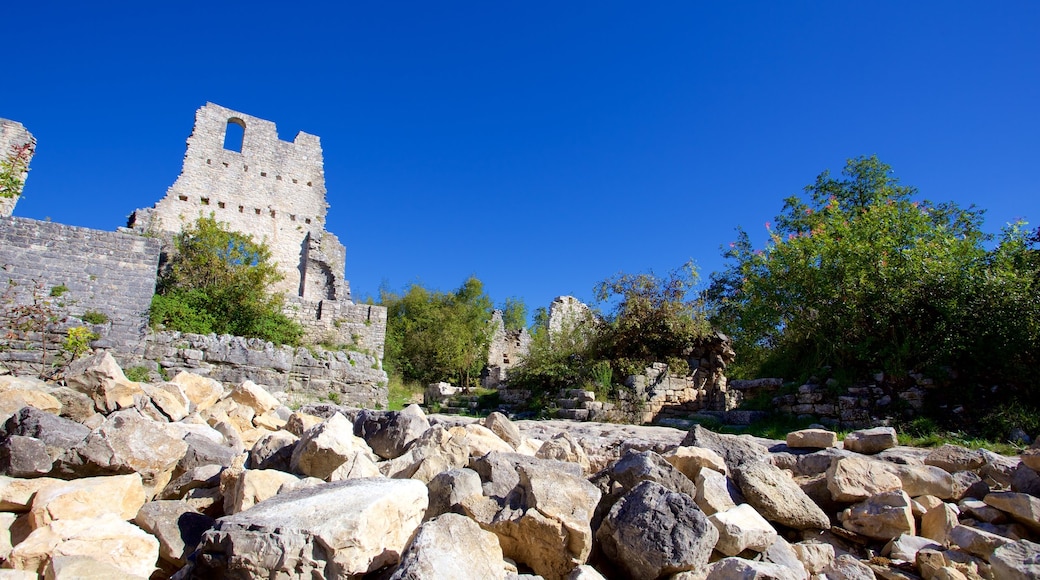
point(862, 277)
point(13, 168)
point(32, 321)
point(219, 281)
point(94, 317)
point(138, 374)
point(514, 314)
point(437, 336)
point(400, 394)
point(654, 318)
point(77, 341)
point(59, 290)
point(563, 359)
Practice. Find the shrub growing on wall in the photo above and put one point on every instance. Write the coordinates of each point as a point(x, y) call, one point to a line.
point(218, 281)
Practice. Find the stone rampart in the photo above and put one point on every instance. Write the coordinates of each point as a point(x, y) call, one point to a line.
point(111, 273)
point(302, 374)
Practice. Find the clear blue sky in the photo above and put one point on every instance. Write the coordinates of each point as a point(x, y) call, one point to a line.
point(541, 146)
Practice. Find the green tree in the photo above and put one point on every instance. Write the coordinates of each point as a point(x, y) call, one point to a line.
point(862, 277)
point(514, 314)
point(654, 319)
point(220, 281)
point(436, 336)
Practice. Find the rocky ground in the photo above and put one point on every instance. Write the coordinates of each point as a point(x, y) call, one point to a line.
point(108, 478)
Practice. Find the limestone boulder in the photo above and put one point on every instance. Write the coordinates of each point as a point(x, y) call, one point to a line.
point(176, 525)
point(742, 528)
point(815, 556)
point(82, 568)
point(905, 547)
point(881, 517)
point(273, 451)
point(954, 458)
point(778, 498)
point(16, 495)
point(1016, 561)
point(480, 441)
point(735, 450)
point(451, 546)
point(500, 472)
point(715, 492)
point(938, 522)
point(549, 529)
point(14, 399)
point(321, 531)
point(739, 568)
point(244, 488)
point(507, 430)
point(203, 392)
point(57, 433)
point(169, 399)
point(389, 433)
point(127, 442)
point(108, 539)
point(1024, 508)
point(436, 450)
point(24, 457)
point(86, 498)
point(975, 541)
point(847, 567)
point(691, 460)
point(918, 480)
point(653, 532)
point(1031, 458)
point(812, 439)
point(358, 465)
point(100, 377)
point(871, 441)
point(855, 478)
point(298, 423)
point(254, 396)
point(635, 467)
point(202, 476)
point(325, 447)
point(449, 490)
point(563, 447)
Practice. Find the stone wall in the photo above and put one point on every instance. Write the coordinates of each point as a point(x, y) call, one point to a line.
point(864, 404)
point(13, 141)
point(299, 374)
point(506, 350)
point(112, 273)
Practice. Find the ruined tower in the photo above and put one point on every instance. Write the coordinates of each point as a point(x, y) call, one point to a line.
point(17, 146)
point(238, 170)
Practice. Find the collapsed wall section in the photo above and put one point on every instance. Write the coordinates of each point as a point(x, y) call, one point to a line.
point(17, 146)
point(108, 273)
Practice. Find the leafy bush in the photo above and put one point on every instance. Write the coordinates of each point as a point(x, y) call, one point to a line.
point(862, 277)
point(219, 281)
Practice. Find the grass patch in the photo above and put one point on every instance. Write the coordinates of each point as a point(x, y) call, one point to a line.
point(773, 426)
point(401, 394)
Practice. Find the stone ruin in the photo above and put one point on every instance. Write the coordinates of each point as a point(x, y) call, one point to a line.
point(14, 138)
point(508, 347)
point(238, 170)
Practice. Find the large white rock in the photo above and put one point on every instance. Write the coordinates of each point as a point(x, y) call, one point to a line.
point(341, 529)
point(1023, 507)
point(854, 478)
point(812, 439)
point(742, 528)
point(871, 441)
point(89, 497)
point(882, 517)
point(244, 488)
point(100, 378)
point(691, 460)
point(107, 539)
point(326, 446)
point(254, 396)
point(203, 392)
point(452, 546)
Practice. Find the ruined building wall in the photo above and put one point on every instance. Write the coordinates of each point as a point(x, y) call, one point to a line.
point(111, 273)
point(505, 351)
point(274, 190)
point(14, 137)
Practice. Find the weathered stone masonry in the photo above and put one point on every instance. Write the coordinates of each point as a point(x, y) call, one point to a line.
point(274, 190)
point(13, 135)
point(109, 272)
